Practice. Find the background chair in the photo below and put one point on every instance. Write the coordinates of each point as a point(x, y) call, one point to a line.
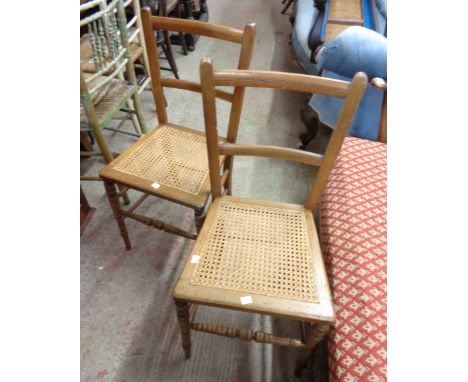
point(104, 93)
point(163, 8)
point(259, 256)
point(171, 161)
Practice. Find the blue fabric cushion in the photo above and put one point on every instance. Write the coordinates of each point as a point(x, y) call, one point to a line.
point(356, 49)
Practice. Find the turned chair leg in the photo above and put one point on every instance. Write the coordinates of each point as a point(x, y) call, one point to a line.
point(317, 334)
point(115, 205)
point(167, 48)
point(183, 315)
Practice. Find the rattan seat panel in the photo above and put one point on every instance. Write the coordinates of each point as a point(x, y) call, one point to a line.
point(171, 157)
point(106, 98)
point(258, 250)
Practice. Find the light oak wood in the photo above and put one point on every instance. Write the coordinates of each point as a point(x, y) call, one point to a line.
point(383, 121)
point(200, 28)
point(247, 335)
point(351, 92)
point(279, 307)
point(238, 237)
point(144, 185)
point(196, 200)
point(193, 86)
point(285, 81)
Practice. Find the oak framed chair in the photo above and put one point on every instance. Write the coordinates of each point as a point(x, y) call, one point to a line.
point(111, 87)
point(171, 161)
point(260, 256)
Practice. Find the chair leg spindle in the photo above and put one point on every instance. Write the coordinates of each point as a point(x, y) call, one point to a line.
point(183, 314)
point(199, 218)
point(115, 205)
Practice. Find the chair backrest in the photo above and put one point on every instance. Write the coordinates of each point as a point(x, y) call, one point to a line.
point(245, 38)
point(108, 37)
point(350, 92)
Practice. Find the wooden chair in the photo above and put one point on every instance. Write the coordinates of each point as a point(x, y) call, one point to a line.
point(259, 256)
point(171, 161)
point(104, 93)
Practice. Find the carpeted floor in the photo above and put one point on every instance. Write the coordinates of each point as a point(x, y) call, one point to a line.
point(129, 330)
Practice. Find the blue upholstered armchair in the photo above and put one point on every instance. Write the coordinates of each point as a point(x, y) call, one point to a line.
point(355, 49)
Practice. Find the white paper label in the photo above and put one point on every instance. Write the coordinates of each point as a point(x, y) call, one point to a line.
point(195, 259)
point(246, 300)
point(155, 185)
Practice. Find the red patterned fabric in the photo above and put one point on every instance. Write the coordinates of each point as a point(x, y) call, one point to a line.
point(353, 221)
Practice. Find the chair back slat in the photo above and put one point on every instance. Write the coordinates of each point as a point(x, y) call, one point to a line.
point(271, 152)
point(245, 38)
point(351, 92)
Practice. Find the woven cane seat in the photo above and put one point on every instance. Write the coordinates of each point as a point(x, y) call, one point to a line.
point(86, 54)
point(172, 157)
point(108, 98)
point(268, 251)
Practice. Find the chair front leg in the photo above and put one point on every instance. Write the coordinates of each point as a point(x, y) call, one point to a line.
point(317, 334)
point(183, 315)
point(115, 205)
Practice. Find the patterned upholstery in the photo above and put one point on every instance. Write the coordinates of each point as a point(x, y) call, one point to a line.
point(354, 237)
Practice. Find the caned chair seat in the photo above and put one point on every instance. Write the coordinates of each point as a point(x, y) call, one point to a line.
point(86, 54)
point(108, 99)
point(266, 250)
point(170, 162)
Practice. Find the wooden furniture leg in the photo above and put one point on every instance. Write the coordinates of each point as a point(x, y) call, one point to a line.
point(115, 205)
point(317, 334)
point(183, 314)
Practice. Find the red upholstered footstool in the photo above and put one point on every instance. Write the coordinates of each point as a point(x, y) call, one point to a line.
point(353, 222)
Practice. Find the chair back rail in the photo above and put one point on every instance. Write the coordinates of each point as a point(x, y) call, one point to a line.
point(351, 92)
point(245, 38)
